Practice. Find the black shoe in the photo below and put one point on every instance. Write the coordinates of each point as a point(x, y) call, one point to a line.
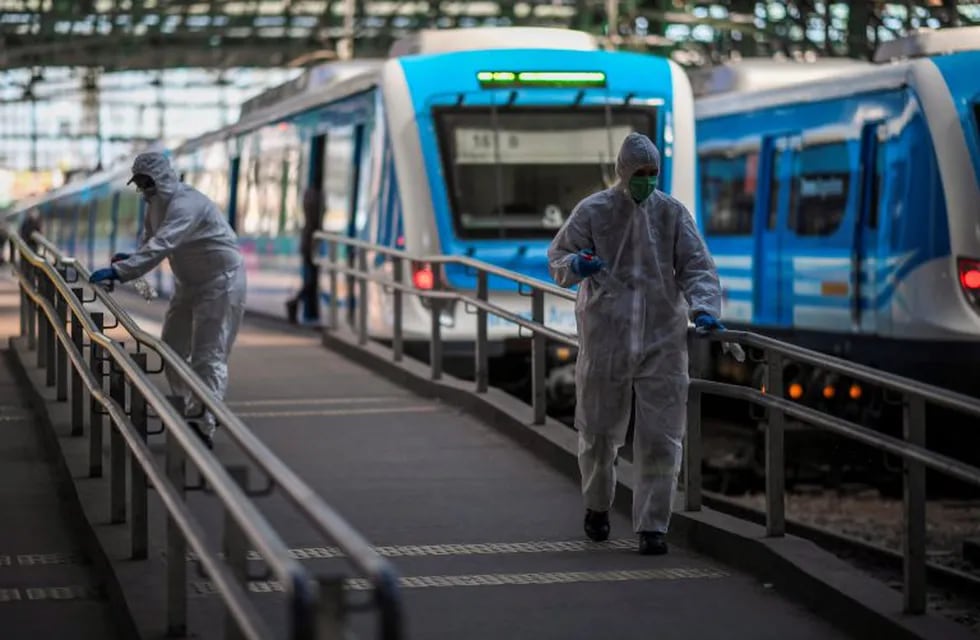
point(292, 308)
point(205, 438)
point(597, 525)
point(652, 544)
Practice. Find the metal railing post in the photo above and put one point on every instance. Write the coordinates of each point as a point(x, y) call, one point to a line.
point(50, 346)
point(95, 409)
point(397, 340)
point(32, 309)
point(692, 435)
point(176, 544)
point(235, 548)
point(42, 322)
point(482, 373)
point(775, 461)
point(23, 307)
point(914, 506)
point(362, 287)
point(117, 450)
point(538, 354)
point(77, 389)
point(61, 350)
point(435, 344)
point(331, 620)
point(351, 263)
point(332, 305)
point(138, 527)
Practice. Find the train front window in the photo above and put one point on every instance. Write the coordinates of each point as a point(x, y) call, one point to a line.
point(519, 172)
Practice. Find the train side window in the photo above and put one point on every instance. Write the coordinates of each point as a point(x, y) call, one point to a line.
point(822, 186)
point(728, 191)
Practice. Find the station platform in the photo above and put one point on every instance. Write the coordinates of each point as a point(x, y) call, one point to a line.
point(485, 533)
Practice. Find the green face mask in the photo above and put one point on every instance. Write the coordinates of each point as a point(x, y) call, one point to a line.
point(642, 186)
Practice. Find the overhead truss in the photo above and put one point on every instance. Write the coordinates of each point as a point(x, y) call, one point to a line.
point(153, 34)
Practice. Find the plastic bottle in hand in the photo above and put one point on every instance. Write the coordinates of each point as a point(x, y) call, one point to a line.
point(145, 289)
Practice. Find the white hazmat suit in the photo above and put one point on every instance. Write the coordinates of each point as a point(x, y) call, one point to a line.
point(632, 321)
point(202, 321)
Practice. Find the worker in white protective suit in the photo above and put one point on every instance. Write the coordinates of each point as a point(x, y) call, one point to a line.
point(202, 321)
point(643, 269)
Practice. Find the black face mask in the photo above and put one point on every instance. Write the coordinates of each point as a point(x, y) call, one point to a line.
point(145, 185)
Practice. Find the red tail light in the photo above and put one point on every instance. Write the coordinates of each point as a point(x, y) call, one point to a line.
point(970, 275)
point(423, 277)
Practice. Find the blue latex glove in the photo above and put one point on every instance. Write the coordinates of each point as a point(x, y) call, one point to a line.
point(585, 263)
point(706, 323)
point(102, 275)
point(120, 256)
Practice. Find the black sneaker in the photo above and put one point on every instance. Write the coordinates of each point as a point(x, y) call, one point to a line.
point(597, 525)
point(652, 544)
point(292, 308)
point(205, 438)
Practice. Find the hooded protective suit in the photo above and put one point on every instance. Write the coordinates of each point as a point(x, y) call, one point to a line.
point(632, 321)
point(202, 321)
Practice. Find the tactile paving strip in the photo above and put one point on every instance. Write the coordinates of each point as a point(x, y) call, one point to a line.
point(482, 548)
point(203, 588)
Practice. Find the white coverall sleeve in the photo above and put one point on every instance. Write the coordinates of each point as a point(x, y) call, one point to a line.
point(177, 224)
point(575, 235)
point(695, 270)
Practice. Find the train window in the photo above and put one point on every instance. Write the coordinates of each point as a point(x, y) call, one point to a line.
point(728, 193)
point(519, 172)
point(821, 190)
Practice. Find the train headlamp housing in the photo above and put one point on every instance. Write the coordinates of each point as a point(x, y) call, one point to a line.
point(531, 79)
point(969, 277)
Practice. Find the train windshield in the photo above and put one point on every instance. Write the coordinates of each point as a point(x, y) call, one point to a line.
point(518, 172)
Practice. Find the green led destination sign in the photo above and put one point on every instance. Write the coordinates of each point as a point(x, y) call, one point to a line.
point(505, 79)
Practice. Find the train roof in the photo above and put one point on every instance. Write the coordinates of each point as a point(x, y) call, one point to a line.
point(929, 42)
point(875, 78)
point(759, 83)
point(430, 41)
point(315, 86)
point(758, 74)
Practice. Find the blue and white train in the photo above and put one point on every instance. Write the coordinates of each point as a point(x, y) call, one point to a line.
point(844, 212)
point(473, 142)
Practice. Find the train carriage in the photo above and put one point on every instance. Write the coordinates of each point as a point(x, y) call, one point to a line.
point(843, 213)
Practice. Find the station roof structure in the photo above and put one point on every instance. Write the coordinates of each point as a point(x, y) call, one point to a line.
point(152, 34)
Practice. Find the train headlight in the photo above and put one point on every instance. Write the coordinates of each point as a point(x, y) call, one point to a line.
point(423, 277)
point(969, 271)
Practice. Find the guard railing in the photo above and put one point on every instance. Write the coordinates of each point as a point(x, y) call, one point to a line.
point(915, 395)
point(62, 331)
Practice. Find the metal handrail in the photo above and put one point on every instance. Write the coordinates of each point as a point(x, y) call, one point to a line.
point(911, 448)
point(358, 552)
point(228, 587)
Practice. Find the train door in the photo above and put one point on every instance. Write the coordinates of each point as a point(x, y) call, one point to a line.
point(776, 195)
point(820, 234)
point(867, 268)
